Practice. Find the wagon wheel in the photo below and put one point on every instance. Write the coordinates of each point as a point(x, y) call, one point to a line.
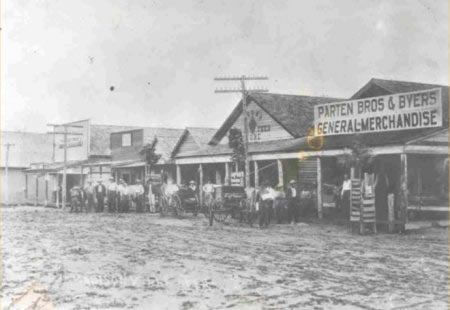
point(219, 213)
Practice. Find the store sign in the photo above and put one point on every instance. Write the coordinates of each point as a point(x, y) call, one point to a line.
point(420, 109)
point(72, 142)
point(237, 178)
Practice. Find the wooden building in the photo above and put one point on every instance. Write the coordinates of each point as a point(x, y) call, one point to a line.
point(274, 122)
point(88, 157)
point(283, 146)
point(26, 148)
point(128, 163)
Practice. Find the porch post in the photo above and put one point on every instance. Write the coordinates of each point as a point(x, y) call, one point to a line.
point(81, 176)
point(404, 187)
point(255, 164)
point(200, 186)
point(319, 188)
point(227, 173)
point(178, 167)
point(218, 177)
point(26, 185)
point(46, 189)
point(280, 173)
point(37, 190)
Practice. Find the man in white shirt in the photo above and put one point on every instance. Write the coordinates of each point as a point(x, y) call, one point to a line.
point(266, 197)
point(112, 195)
point(293, 202)
point(139, 196)
point(208, 190)
point(345, 196)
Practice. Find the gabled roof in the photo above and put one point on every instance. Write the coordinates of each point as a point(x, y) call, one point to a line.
point(201, 136)
point(293, 112)
point(29, 147)
point(380, 87)
point(253, 148)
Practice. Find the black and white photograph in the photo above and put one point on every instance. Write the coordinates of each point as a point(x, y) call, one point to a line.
point(224, 154)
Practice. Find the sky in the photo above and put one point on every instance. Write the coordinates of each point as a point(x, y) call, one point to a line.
point(152, 62)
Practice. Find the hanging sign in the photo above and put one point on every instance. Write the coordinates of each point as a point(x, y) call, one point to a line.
point(413, 110)
point(237, 178)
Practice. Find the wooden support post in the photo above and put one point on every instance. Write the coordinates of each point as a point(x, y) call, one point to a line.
point(46, 190)
point(352, 173)
point(81, 176)
point(255, 163)
point(26, 186)
point(218, 177)
point(57, 191)
point(37, 190)
point(319, 188)
point(101, 172)
point(404, 188)
point(200, 186)
point(178, 167)
point(227, 173)
point(280, 173)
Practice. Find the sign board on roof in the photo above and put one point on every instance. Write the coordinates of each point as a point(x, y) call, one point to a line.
point(420, 109)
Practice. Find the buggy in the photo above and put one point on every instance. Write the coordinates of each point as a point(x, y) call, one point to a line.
point(229, 201)
point(179, 202)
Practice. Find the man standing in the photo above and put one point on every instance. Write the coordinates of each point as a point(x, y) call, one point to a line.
point(344, 200)
point(139, 196)
point(112, 195)
point(293, 202)
point(100, 193)
point(208, 191)
point(124, 196)
point(266, 198)
point(89, 190)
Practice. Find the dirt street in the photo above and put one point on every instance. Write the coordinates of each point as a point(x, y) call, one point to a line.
point(56, 260)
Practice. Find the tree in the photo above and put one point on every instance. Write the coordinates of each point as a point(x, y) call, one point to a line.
point(148, 151)
point(236, 142)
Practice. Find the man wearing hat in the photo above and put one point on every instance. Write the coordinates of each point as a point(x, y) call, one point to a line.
point(293, 202)
point(100, 194)
point(90, 192)
point(112, 195)
point(266, 196)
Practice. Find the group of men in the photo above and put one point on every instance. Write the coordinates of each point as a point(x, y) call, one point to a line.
point(297, 203)
point(118, 196)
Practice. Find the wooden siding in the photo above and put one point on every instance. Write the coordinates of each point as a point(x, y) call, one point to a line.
point(188, 144)
point(128, 152)
point(262, 127)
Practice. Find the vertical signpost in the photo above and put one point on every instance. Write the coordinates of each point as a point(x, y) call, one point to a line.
point(65, 133)
point(244, 91)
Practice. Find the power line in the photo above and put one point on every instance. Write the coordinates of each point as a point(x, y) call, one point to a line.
point(65, 133)
point(244, 91)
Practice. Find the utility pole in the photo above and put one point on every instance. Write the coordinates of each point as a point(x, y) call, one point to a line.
point(65, 133)
point(245, 92)
point(6, 187)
